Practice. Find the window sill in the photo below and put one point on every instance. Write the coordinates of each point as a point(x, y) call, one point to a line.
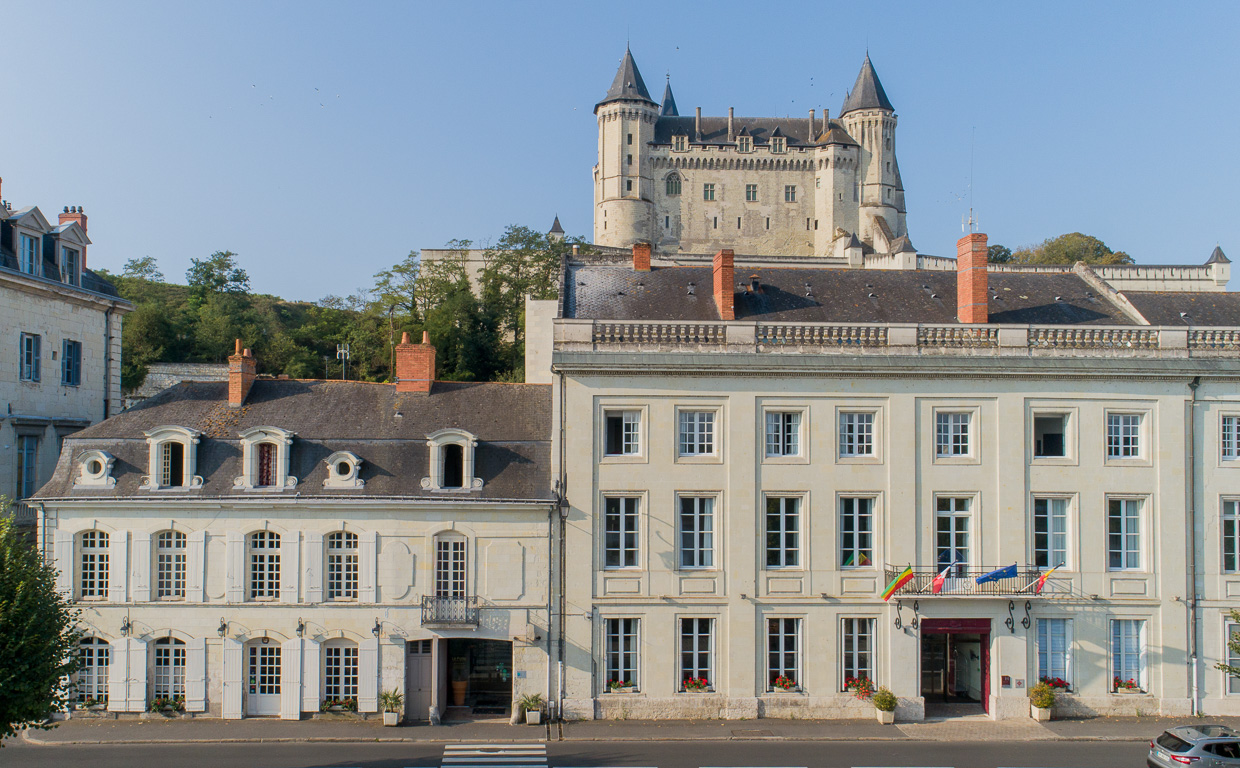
point(798, 691)
point(1053, 461)
point(623, 458)
point(1128, 462)
point(956, 460)
point(795, 459)
point(699, 458)
point(861, 459)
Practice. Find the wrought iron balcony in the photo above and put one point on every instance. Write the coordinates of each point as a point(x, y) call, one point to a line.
point(962, 582)
point(449, 611)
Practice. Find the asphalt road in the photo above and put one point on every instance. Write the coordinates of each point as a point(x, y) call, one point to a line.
point(697, 754)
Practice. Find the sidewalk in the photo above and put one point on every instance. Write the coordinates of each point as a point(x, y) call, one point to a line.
point(967, 729)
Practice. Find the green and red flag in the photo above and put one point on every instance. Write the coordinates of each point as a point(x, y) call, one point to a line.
point(903, 578)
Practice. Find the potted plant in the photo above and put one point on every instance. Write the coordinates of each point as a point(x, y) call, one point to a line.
point(1041, 699)
point(532, 704)
point(695, 685)
point(1125, 686)
point(861, 687)
point(884, 705)
point(391, 701)
point(784, 683)
point(620, 686)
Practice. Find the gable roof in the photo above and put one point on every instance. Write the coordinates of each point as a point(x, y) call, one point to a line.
point(867, 92)
point(627, 85)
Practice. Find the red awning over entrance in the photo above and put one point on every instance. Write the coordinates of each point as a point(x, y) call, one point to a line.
point(956, 626)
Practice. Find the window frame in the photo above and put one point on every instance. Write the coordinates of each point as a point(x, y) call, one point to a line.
point(27, 468)
point(708, 192)
point(622, 532)
point(790, 193)
point(680, 143)
point(341, 672)
point(845, 555)
point(96, 667)
point(341, 566)
point(101, 564)
point(744, 143)
point(436, 442)
point(30, 357)
point(29, 257)
point(71, 267)
point(609, 410)
point(715, 454)
point(170, 561)
point(627, 653)
point(1232, 659)
point(673, 185)
point(70, 363)
point(252, 451)
point(170, 682)
point(1229, 438)
point(268, 557)
point(1141, 517)
point(1044, 656)
point(1142, 436)
point(872, 652)
point(156, 439)
point(1114, 653)
point(751, 193)
point(797, 652)
point(782, 533)
point(971, 531)
point(800, 435)
point(778, 144)
point(451, 566)
point(707, 671)
point(972, 435)
point(874, 455)
point(1050, 550)
point(1071, 418)
point(701, 553)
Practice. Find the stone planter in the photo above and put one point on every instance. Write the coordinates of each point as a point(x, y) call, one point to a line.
point(885, 718)
point(391, 718)
point(624, 689)
point(533, 717)
point(1041, 714)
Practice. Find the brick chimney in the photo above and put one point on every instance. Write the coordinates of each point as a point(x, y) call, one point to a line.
point(641, 257)
point(415, 365)
point(242, 369)
point(724, 284)
point(76, 213)
point(971, 279)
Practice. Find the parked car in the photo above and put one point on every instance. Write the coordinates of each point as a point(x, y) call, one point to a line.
point(1202, 746)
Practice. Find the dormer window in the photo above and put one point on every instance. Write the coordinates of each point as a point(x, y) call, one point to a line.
point(265, 460)
point(680, 143)
point(778, 144)
point(70, 261)
point(172, 460)
point(95, 470)
point(744, 144)
point(451, 461)
point(343, 470)
point(29, 254)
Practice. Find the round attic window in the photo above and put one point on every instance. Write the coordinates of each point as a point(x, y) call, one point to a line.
point(94, 466)
point(343, 468)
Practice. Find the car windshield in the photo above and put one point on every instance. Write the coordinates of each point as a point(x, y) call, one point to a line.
point(1173, 743)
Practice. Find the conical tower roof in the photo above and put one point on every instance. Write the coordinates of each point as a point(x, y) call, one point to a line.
point(867, 92)
point(669, 102)
point(556, 229)
point(1218, 257)
point(628, 85)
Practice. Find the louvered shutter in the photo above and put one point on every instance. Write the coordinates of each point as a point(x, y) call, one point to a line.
point(196, 675)
point(367, 563)
point(311, 676)
point(137, 676)
point(290, 563)
point(290, 679)
point(234, 572)
point(195, 567)
point(62, 551)
point(314, 568)
point(368, 676)
point(118, 565)
point(140, 573)
point(118, 674)
point(233, 675)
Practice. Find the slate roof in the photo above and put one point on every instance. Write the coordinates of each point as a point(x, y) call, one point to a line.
point(556, 229)
point(867, 92)
point(836, 295)
point(628, 84)
point(715, 130)
point(669, 102)
point(1200, 307)
point(1218, 257)
point(386, 429)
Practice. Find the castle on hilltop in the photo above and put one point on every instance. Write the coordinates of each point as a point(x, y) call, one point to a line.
point(810, 187)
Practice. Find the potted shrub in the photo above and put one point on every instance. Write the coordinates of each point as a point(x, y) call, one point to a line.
point(391, 701)
point(695, 685)
point(1041, 699)
point(532, 704)
point(884, 705)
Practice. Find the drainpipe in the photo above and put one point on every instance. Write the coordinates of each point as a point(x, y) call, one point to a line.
point(552, 511)
point(107, 359)
point(563, 492)
point(1194, 661)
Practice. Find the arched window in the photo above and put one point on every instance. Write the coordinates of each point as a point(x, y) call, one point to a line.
point(339, 671)
point(452, 461)
point(450, 566)
point(172, 459)
point(673, 184)
point(453, 466)
point(342, 566)
point(266, 465)
point(93, 581)
point(90, 686)
point(169, 680)
point(264, 548)
point(265, 460)
point(170, 565)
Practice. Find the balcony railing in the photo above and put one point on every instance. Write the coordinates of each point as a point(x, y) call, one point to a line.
point(23, 514)
point(962, 582)
point(449, 611)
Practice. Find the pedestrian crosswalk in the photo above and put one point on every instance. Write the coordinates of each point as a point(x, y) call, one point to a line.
point(495, 756)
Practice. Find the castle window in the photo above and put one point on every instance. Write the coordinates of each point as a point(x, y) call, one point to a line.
point(172, 458)
point(888, 191)
point(678, 143)
point(768, 222)
point(738, 222)
point(628, 185)
point(716, 223)
point(630, 159)
point(452, 461)
point(265, 460)
point(708, 192)
point(888, 167)
point(818, 183)
point(751, 193)
point(744, 144)
point(777, 144)
point(630, 143)
point(667, 222)
point(790, 193)
point(673, 185)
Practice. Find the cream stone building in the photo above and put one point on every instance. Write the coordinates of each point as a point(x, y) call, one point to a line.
point(61, 326)
point(274, 547)
point(794, 187)
point(753, 452)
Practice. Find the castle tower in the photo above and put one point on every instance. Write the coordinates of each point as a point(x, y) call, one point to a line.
point(869, 118)
point(836, 163)
point(623, 182)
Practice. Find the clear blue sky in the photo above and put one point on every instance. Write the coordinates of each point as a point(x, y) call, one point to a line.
point(324, 141)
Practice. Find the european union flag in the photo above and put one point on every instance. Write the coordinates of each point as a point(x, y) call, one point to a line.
point(1002, 573)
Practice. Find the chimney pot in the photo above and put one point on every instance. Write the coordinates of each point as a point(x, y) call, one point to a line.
point(697, 125)
point(724, 281)
point(415, 365)
point(237, 348)
point(731, 134)
point(971, 279)
point(641, 257)
point(576, 249)
point(404, 337)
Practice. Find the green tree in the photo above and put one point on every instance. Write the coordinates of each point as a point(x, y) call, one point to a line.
point(143, 269)
point(1233, 645)
point(1069, 249)
point(218, 273)
point(998, 254)
point(38, 642)
point(146, 337)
